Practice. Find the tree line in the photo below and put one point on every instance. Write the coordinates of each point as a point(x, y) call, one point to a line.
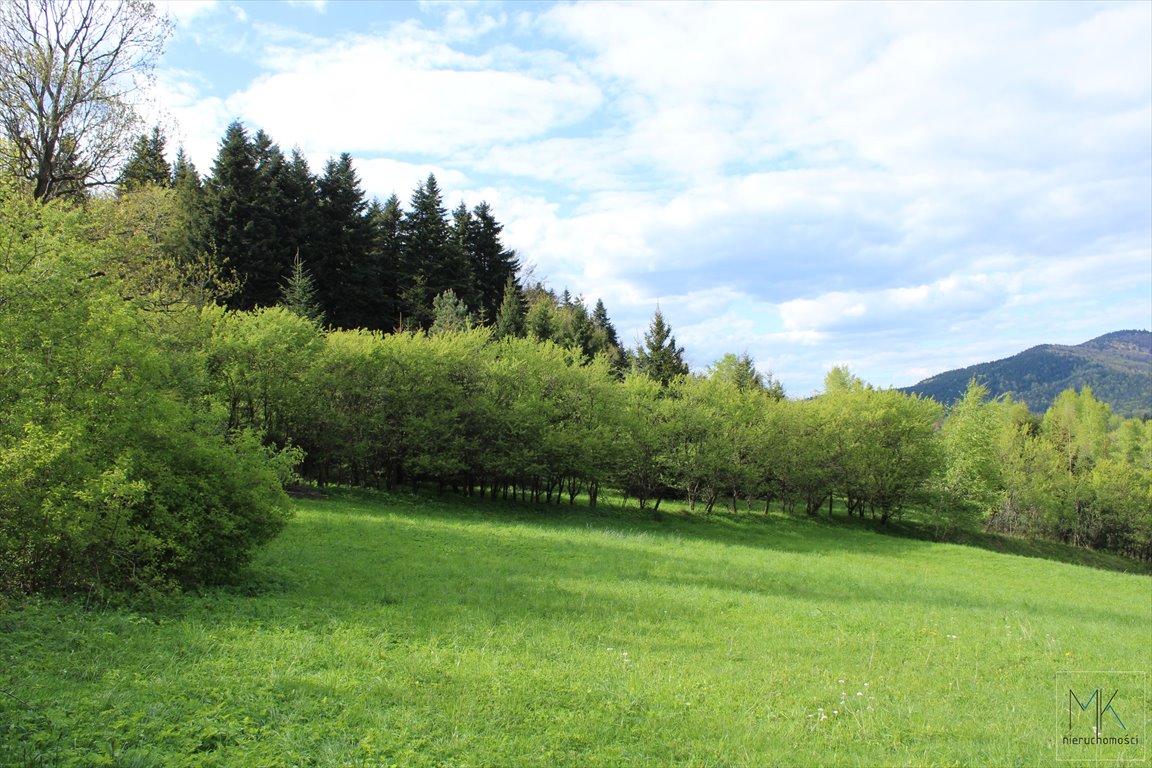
point(267, 220)
point(149, 429)
point(175, 353)
point(525, 418)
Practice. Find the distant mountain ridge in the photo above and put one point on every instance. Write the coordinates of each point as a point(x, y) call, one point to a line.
point(1118, 367)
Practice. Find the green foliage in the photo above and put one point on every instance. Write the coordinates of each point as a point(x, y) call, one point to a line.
point(973, 482)
point(658, 357)
point(299, 294)
point(116, 471)
point(740, 371)
point(450, 314)
point(146, 165)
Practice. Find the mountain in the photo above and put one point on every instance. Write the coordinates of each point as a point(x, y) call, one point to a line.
point(1118, 367)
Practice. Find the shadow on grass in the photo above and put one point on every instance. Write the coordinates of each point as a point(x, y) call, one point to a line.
point(1014, 545)
point(775, 530)
point(419, 562)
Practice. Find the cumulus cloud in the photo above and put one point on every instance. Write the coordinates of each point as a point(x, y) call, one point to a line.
point(803, 181)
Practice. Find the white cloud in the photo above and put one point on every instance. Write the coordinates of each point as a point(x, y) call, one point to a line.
point(811, 179)
point(401, 96)
point(184, 12)
point(319, 6)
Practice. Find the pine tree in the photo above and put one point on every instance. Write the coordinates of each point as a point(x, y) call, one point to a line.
point(433, 262)
point(146, 164)
point(344, 276)
point(449, 314)
point(510, 315)
point(492, 264)
point(658, 357)
point(299, 294)
point(229, 201)
point(387, 255)
point(602, 323)
point(188, 190)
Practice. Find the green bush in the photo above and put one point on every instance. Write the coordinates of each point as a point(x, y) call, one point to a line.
point(117, 467)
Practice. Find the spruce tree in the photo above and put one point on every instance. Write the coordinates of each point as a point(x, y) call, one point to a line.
point(510, 315)
point(146, 164)
point(658, 357)
point(602, 323)
point(344, 274)
point(188, 190)
point(463, 238)
point(299, 294)
point(229, 203)
point(432, 260)
point(245, 221)
point(297, 219)
point(492, 264)
point(387, 254)
point(450, 314)
point(273, 247)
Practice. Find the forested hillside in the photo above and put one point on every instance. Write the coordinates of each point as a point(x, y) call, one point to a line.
point(1117, 366)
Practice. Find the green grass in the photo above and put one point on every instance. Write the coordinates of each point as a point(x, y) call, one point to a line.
point(409, 631)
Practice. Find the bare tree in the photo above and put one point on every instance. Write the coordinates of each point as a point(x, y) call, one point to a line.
point(68, 72)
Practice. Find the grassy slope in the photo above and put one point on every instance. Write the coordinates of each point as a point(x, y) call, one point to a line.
point(404, 631)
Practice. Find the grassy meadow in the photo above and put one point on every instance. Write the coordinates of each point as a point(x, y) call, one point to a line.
point(398, 630)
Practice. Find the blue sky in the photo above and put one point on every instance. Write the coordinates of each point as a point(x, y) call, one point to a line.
point(902, 188)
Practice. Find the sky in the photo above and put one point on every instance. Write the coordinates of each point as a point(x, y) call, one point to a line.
point(901, 188)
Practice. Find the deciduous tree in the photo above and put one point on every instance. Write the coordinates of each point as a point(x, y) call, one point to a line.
point(69, 70)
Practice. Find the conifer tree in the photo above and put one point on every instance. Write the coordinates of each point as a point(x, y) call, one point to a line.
point(510, 315)
point(432, 260)
point(602, 323)
point(658, 357)
point(146, 164)
point(230, 210)
point(463, 239)
point(492, 264)
point(299, 294)
point(344, 274)
point(387, 253)
point(297, 219)
point(188, 190)
point(450, 314)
